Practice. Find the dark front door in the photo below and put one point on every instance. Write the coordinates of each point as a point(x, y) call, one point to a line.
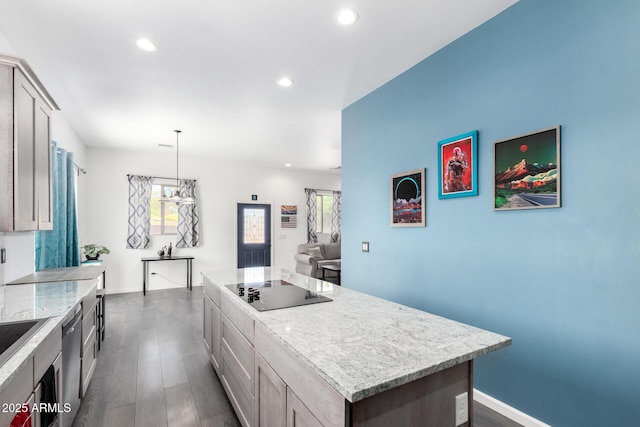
point(254, 235)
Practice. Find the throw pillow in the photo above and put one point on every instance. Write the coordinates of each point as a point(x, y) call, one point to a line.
point(315, 252)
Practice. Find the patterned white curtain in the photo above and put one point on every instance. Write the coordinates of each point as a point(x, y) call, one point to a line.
point(188, 220)
point(138, 236)
point(312, 215)
point(336, 211)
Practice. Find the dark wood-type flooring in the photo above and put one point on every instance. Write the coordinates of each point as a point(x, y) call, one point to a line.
point(153, 369)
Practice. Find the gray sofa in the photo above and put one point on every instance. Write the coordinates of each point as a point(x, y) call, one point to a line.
point(311, 256)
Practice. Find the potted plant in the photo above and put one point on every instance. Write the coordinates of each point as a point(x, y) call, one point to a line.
point(93, 251)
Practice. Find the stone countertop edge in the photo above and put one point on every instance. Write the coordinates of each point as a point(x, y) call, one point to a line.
point(368, 387)
point(19, 359)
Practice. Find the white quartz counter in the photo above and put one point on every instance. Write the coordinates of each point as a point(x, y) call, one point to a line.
point(362, 345)
point(38, 301)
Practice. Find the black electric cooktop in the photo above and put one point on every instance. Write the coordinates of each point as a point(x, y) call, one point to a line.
point(275, 294)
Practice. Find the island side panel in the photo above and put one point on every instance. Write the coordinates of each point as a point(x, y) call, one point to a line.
point(426, 402)
point(323, 401)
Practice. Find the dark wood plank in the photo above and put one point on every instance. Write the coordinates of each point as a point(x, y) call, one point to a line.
point(148, 346)
point(181, 408)
point(121, 416)
point(151, 412)
point(173, 369)
point(130, 339)
point(122, 390)
point(126, 362)
point(92, 410)
point(149, 384)
point(206, 389)
point(228, 419)
point(485, 417)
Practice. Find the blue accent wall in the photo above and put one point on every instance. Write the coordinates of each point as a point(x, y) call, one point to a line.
point(563, 283)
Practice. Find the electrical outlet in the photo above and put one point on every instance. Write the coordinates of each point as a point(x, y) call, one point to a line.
point(462, 409)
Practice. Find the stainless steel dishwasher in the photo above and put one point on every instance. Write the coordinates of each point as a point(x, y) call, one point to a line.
point(71, 347)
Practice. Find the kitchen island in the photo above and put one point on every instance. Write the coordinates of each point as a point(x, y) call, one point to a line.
point(353, 361)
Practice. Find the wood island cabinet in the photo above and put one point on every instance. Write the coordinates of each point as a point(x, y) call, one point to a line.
point(275, 404)
point(25, 145)
point(270, 396)
point(306, 366)
point(89, 355)
point(211, 327)
point(251, 367)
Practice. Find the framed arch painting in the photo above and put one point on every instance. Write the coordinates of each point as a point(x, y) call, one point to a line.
point(408, 199)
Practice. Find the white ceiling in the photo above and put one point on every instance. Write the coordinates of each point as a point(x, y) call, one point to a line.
point(214, 72)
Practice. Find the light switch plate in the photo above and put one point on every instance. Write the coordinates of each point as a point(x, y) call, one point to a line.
point(365, 246)
point(3, 256)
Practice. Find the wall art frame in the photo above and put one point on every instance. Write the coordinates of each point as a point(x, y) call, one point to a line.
point(408, 198)
point(526, 171)
point(458, 166)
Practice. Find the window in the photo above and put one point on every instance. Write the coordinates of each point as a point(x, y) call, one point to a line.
point(324, 203)
point(254, 221)
point(164, 216)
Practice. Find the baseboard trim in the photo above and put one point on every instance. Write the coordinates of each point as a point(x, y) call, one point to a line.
point(506, 410)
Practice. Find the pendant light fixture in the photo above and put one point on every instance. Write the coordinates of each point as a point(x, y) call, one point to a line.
point(177, 197)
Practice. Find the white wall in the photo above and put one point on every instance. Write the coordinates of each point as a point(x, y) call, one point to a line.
point(220, 186)
point(5, 46)
point(67, 138)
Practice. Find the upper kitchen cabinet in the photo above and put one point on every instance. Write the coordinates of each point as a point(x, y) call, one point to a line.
point(25, 141)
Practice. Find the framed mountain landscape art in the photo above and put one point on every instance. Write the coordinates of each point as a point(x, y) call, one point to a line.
point(408, 199)
point(527, 171)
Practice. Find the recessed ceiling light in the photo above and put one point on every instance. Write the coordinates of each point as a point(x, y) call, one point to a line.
point(146, 45)
point(347, 17)
point(288, 165)
point(285, 82)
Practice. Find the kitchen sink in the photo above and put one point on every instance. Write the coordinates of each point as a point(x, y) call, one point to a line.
point(14, 334)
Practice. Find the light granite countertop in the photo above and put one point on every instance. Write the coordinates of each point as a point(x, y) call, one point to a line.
point(38, 301)
point(360, 344)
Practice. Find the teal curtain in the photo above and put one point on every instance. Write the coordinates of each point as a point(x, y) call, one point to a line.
point(59, 247)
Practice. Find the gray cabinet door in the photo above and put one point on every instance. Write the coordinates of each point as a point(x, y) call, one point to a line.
point(43, 176)
point(216, 328)
point(207, 323)
point(6, 147)
point(298, 415)
point(211, 331)
point(25, 202)
point(270, 404)
point(32, 187)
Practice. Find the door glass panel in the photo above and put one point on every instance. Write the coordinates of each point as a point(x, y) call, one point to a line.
point(254, 226)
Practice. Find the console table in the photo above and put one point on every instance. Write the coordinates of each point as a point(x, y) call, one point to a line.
point(145, 269)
